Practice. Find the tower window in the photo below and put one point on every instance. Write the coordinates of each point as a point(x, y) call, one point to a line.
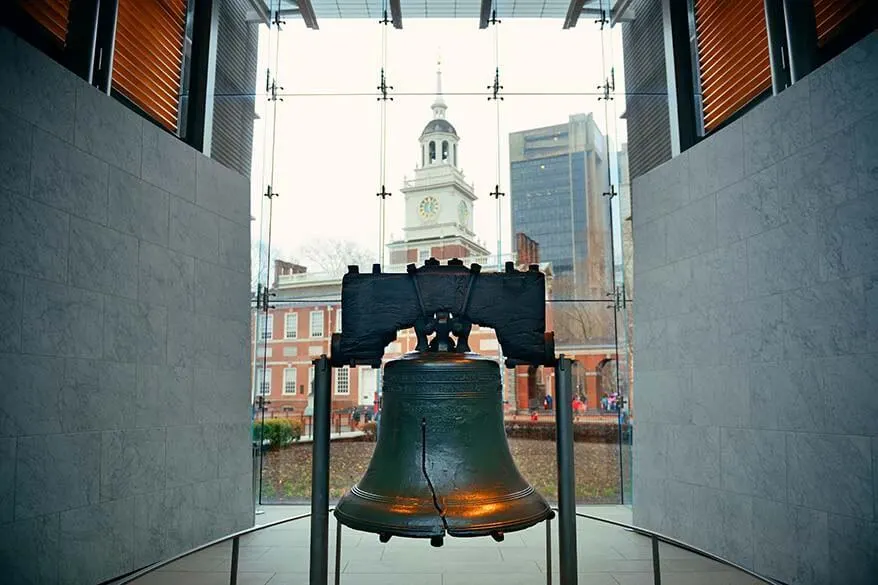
point(454, 158)
point(444, 151)
point(432, 151)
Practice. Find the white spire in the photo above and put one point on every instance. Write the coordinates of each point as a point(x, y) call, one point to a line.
point(439, 106)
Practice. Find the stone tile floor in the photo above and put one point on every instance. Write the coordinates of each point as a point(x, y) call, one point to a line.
point(608, 555)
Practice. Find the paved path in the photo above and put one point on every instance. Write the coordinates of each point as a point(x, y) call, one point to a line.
point(607, 556)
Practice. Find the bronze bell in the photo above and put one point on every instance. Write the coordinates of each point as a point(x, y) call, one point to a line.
point(442, 463)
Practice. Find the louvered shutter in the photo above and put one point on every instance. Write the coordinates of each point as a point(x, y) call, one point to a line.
point(831, 14)
point(51, 14)
point(732, 54)
point(148, 58)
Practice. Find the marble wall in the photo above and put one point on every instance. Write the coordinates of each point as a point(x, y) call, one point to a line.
point(124, 259)
point(756, 317)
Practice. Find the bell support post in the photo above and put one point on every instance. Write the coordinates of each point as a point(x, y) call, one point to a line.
point(319, 566)
point(566, 479)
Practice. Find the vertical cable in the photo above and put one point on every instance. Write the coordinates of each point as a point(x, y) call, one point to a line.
point(382, 139)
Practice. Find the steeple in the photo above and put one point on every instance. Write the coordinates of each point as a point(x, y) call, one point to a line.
point(439, 106)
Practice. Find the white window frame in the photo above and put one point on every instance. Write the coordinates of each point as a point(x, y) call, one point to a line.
point(291, 332)
point(314, 331)
point(265, 326)
point(343, 381)
point(263, 385)
point(423, 255)
point(338, 320)
point(290, 377)
point(310, 379)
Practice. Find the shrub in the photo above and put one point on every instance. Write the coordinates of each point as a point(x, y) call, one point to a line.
point(278, 432)
point(370, 430)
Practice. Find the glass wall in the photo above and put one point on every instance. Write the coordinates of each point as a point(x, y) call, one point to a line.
point(535, 172)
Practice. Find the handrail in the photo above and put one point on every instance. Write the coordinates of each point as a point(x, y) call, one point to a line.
point(680, 544)
point(235, 535)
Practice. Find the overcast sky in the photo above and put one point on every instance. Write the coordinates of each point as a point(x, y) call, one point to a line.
point(326, 154)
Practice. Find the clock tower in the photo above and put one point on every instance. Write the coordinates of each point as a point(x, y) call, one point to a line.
point(438, 201)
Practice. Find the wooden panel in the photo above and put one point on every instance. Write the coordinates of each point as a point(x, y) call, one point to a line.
point(148, 59)
point(732, 54)
point(52, 14)
point(831, 14)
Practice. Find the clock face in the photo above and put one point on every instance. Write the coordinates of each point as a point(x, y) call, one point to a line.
point(428, 208)
point(463, 212)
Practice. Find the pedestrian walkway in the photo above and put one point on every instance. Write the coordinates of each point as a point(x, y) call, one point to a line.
point(608, 555)
point(333, 436)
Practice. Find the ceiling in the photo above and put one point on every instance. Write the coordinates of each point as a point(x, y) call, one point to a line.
point(482, 11)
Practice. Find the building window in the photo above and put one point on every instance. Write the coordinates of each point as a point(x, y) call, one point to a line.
point(316, 323)
point(291, 326)
point(265, 326)
point(289, 380)
point(444, 151)
point(342, 380)
point(432, 156)
point(263, 381)
point(423, 255)
point(310, 379)
point(338, 321)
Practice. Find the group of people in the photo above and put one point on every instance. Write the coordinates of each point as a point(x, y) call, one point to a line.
point(611, 402)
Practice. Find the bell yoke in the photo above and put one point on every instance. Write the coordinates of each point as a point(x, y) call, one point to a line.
point(442, 464)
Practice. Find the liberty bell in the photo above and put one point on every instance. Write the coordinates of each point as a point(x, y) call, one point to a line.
point(442, 464)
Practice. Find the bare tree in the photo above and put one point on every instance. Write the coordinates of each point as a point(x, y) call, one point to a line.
point(333, 256)
point(580, 315)
point(262, 262)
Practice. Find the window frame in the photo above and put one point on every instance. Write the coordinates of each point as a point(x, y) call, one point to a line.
point(295, 329)
point(312, 332)
point(290, 378)
point(262, 381)
point(342, 374)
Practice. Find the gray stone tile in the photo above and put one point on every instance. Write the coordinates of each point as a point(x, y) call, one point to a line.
point(831, 473)
point(649, 343)
point(15, 152)
point(234, 343)
point(30, 402)
point(850, 238)
point(234, 245)
point(191, 455)
point(150, 533)
point(29, 548)
point(788, 396)
point(178, 512)
point(102, 259)
point(679, 517)
point(717, 161)
point(11, 309)
point(663, 396)
point(866, 152)
point(852, 551)
point(217, 395)
point(235, 501)
point(68, 179)
point(790, 543)
point(754, 462)
point(33, 238)
point(777, 128)
point(233, 444)
point(693, 338)
point(138, 208)
point(692, 229)
point(107, 129)
point(132, 462)
point(720, 276)
point(221, 292)
point(724, 524)
point(135, 331)
point(167, 278)
point(748, 207)
point(26, 73)
point(651, 250)
point(192, 340)
point(825, 319)
point(662, 190)
point(818, 177)
point(721, 396)
point(62, 321)
point(752, 331)
point(56, 472)
point(222, 190)
point(97, 542)
point(168, 162)
point(164, 396)
point(694, 454)
point(848, 384)
point(7, 480)
point(97, 396)
point(784, 258)
point(845, 89)
point(194, 230)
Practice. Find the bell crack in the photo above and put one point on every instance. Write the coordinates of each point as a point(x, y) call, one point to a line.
point(436, 503)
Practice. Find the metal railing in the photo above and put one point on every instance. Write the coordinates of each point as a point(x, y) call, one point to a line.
point(655, 539)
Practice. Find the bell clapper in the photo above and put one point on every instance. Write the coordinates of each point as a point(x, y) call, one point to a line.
point(437, 541)
point(498, 536)
point(383, 537)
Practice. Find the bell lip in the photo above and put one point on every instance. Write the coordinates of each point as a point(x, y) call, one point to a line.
point(443, 356)
point(384, 528)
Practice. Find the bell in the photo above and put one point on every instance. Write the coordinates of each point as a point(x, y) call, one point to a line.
point(442, 463)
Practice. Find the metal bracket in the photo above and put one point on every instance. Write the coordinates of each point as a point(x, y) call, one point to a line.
point(497, 193)
point(384, 87)
point(496, 87)
point(383, 193)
